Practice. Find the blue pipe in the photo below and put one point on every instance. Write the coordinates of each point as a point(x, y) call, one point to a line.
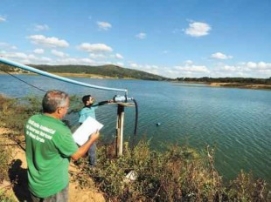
point(31, 69)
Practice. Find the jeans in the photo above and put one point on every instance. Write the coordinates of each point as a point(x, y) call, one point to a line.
point(92, 154)
point(62, 196)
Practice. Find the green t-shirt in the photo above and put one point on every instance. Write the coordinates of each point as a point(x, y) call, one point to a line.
point(49, 145)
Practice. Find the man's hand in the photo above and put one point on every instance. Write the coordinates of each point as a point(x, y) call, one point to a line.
point(85, 147)
point(95, 136)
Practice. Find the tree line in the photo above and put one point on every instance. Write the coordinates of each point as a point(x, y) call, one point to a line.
point(240, 80)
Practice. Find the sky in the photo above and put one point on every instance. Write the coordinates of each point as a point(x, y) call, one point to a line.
point(171, 38)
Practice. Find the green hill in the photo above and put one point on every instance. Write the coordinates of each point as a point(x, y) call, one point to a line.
point(104, 70)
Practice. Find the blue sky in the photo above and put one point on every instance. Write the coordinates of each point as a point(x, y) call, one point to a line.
point(172, 38)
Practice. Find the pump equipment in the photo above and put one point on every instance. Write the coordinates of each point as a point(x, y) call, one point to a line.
point(125, 99)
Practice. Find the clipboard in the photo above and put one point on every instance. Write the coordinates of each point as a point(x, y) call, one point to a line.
point(89, 126)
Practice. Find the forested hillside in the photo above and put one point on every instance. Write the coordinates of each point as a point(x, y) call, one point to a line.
point(105, 70)
point(240, 80)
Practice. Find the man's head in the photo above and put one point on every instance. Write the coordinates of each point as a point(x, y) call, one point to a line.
point(87, 100)
point(56, 102)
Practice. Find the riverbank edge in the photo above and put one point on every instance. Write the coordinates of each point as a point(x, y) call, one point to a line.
point(241, 85)
point(230, 85)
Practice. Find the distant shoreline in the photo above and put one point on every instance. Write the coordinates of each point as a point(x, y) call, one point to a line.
point(241, 85)
point(230, 85)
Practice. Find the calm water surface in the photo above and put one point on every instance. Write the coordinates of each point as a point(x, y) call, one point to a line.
point(236, 122)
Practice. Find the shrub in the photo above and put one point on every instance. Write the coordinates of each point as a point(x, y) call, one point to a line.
point(178, 174)
point(16, 112)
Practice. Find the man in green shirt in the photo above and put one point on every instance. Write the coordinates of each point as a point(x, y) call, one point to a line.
point(49, 147)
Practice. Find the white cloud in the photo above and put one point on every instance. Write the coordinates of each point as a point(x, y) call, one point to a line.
point(104, 25)
point(141, 35)
point(38, 51)
point(2, 19)
point(41, 27)
point(67, 61)
point(152, 69)
point(192, 69)
point(224, 70)
point(244, 69)
point(48, 41)
point(258, 66)
point(58, 53)
point(95, 47)
point(96, 56)
point(134, 65)
point(220, 56)
point(188, 62)
point(44, 59)
point(119, 56)
point(263, 65)
point(32, 57)
point(230, 68)
point(18, 55)
point(188, 69)
point(26, 58)
point(2, 52)
point(87, 61)
point(74, 61)
point(8, 46)
point(198, 29)
point(251, 65)
point(121, 64)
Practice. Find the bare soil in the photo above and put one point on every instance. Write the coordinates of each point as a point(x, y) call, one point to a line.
point(16, 186)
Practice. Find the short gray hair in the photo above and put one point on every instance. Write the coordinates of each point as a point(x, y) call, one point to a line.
point(54, 99)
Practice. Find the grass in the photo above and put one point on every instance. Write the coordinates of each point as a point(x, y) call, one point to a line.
point(180, 173)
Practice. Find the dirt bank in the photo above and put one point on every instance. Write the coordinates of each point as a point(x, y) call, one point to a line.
point(18, 172)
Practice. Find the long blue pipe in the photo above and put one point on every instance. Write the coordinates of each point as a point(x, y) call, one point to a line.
point(31, 69)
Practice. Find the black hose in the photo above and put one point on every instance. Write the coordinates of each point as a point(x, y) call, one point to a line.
point(23, 81)
point(136, 116)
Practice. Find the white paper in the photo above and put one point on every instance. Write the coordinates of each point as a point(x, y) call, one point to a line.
point(89, 126)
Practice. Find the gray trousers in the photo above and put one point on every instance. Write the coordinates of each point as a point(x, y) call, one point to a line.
point(62, 196)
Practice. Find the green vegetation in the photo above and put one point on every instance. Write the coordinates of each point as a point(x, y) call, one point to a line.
point(178, 174)
point(238, 80)
point(5, 157)
point(4, 161)
point(15, 112)
point(4, 198)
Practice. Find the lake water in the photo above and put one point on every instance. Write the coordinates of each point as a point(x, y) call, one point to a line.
point(236, 122)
